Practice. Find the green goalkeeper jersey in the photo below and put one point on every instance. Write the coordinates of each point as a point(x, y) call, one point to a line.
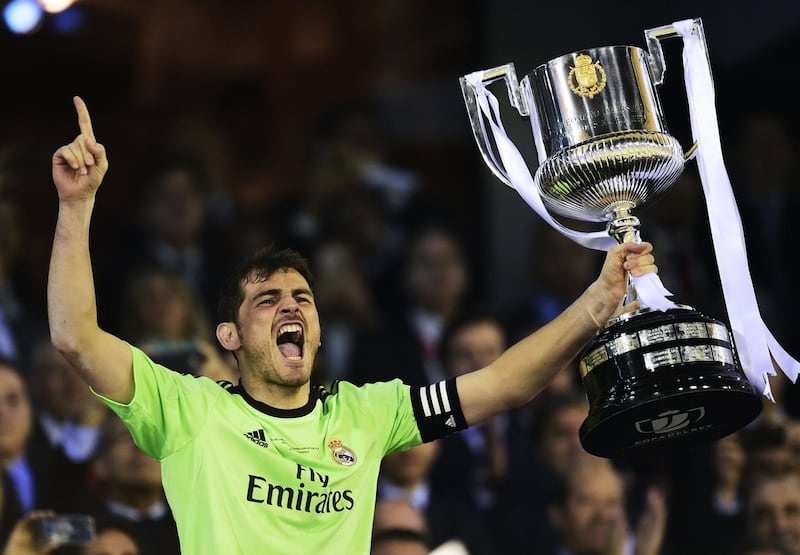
point(242, 477)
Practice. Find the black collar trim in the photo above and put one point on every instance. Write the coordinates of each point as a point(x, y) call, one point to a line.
point(272, 411)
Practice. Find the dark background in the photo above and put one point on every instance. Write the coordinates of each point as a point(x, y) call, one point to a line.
point(247, 81)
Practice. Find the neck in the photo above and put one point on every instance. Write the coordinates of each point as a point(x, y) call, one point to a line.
point(284, 397)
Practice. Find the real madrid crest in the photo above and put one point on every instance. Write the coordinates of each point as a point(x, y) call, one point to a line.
point(586, 78)
point(342, 454)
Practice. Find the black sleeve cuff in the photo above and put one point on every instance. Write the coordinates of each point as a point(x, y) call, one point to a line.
point(437, 409)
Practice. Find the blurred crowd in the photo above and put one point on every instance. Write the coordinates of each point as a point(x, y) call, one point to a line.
point(401, 294)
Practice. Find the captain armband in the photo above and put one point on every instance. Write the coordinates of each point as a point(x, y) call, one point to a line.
point(437, 410)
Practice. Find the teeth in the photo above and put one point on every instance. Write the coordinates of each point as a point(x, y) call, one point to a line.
point(294, 359)
point(290, 328)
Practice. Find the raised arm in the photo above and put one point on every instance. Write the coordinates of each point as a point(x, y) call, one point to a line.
point(103, 360)
point(526, 368)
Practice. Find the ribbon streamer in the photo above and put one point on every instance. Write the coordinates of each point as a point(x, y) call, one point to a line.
point(755, 344)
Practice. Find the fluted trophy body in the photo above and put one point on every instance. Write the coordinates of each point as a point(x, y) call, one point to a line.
point(653, 378)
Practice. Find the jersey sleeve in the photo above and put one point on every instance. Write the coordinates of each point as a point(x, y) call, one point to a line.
point(168, 409)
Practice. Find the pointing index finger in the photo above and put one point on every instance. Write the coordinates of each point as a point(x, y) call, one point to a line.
point(84, 121)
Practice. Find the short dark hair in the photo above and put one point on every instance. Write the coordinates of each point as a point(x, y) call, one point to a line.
point(257, 267)
point(400, 534)
point(550, 404)
point(472, 316)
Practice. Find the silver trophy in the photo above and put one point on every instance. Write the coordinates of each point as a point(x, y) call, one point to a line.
point(653, 378)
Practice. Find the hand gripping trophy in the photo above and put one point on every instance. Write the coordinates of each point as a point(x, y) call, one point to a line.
point(665, 374)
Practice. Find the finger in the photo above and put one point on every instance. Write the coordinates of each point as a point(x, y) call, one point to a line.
point(642, 270)
point(71, 157)
point(97, 151)
point(83, 145)
point(639, 261)
point(632, 256)
point(77, 154)
point(64, 156)
point(657, 502)
point(630, 307)
point(636, 249)
point(84, 121)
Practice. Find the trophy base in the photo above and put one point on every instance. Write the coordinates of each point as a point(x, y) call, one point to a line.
point(658, 380)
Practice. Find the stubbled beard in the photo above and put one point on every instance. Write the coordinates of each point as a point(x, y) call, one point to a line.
point(266, 365)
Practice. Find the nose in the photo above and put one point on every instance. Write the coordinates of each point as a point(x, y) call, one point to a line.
point(289, 306)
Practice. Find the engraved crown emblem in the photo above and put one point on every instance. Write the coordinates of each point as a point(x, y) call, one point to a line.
point(586, 78)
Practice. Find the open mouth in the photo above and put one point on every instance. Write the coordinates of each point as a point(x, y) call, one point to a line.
point(290, 342)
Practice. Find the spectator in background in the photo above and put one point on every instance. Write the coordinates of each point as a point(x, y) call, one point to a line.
point(764, 171)
point(68, 416)
point(352, 170)
point(405, 475)
point(357, 217)
point(344, 302)
point(435, 280)
point(773, 509)
point(398, 529)
point(128, 487)
point(559, 269)
point(114, 537)
point(714, 505)
point(171, 230)
point(37, 480)
point(678, 227)
point(10, 511)
point(590, 514)
point(473, 462)
point(554, 447)
point(771, 447)
point(165, 317)
point(16, 322)
point(766, 547)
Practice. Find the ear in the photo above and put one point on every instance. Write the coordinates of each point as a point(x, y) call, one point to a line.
point(228, 336)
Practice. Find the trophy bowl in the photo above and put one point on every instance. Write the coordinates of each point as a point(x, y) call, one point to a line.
point(588, 180)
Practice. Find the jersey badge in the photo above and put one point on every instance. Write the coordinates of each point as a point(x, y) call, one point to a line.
point(342, 454)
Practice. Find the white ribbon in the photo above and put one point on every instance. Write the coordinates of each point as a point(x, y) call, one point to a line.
point(649, 289)
point(755, 344)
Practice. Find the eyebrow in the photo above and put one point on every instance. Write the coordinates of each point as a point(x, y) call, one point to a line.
point(277, 292)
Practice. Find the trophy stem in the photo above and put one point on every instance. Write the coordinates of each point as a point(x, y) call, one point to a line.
point(624, 227)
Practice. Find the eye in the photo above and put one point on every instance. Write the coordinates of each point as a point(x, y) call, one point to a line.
point(266, 302)
point(303, 300)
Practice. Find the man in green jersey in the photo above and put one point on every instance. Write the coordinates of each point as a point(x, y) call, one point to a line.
point(272, 464)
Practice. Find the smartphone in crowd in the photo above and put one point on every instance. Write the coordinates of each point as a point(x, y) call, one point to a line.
point(67, 529)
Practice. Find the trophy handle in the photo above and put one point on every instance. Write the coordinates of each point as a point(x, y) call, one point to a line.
point(509, 75)
point(658, 66)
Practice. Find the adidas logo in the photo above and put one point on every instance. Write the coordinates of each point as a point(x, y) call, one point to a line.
point(451, 422)
point(257, 437)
